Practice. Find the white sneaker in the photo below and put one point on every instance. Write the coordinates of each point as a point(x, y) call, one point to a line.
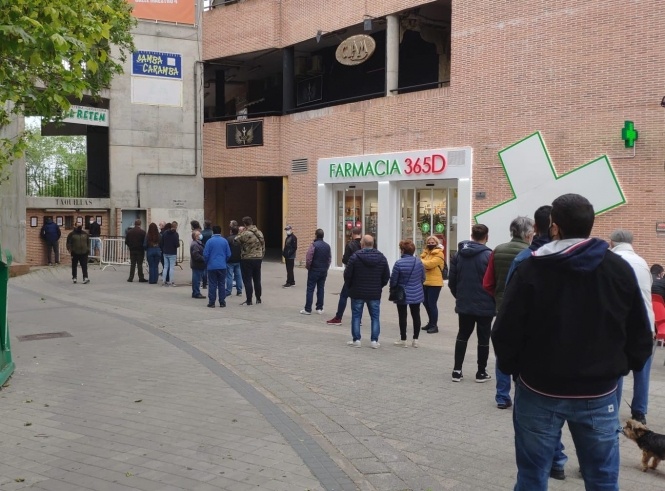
point(353, 344)
point(414, 343)
point(86, 281)
point(304, 312)
point(401, 343)
point(73, 280)
point(319, 311)
point(374, 345)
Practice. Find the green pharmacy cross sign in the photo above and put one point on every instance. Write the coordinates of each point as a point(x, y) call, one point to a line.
point(629, 134)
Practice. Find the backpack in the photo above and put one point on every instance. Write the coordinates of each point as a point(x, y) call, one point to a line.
point(445, 271)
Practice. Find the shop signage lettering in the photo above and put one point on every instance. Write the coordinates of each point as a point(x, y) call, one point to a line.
point(155, 64)
point(87, 115)
point(362, 169)
point(73, 202)
point(355, 50)
point(432, 164)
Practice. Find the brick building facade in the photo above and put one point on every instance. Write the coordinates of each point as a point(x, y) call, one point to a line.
point(573, 70)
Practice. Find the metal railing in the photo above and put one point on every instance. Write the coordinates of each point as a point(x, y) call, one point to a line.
point(59, 182)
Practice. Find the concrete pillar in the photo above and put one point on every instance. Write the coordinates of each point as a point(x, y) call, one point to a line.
point(392, 54)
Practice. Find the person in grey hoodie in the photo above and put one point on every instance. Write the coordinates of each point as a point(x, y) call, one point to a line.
point(474, 306)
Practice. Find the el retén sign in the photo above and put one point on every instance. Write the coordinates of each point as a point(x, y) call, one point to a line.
point(92, 116)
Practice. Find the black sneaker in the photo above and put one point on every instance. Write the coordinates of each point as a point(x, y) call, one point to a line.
point(558, 474)
point(258, 300)
point(504, 405)
point(211, 305)
point(433, 330)
point(239, 294)
point(639, 417)
point(482, 377)
point(286, 285)
point(457, 376)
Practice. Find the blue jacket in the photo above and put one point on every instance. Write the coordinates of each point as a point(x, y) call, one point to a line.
point(318, 256)
point(467, 270)
point(366, 273)
point(409, 273)
point(51, 232)
point(216, 252)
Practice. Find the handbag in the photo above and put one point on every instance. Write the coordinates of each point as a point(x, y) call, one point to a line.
point(397, 293)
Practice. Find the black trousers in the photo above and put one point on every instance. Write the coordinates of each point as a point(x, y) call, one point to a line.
point(251, 273)
point(466, 325)
point(290, 263)
point(415, 315)
point(136, 261)
point(80, 259)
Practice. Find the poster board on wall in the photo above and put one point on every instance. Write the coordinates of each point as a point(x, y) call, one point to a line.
point(180, 11)
point(156, 91)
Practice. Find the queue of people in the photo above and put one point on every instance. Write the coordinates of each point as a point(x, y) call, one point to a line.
point(572, 314)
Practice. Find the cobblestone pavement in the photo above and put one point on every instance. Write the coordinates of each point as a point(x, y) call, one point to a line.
point(154, 391)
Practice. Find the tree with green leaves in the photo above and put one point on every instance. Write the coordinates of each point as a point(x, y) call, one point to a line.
point(54, 53)
point(55, 165)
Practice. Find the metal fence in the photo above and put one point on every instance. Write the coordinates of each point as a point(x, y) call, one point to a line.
point(112, 251)
point(59, 182)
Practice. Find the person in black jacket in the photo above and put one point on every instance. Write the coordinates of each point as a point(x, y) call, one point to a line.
point(95, 231)
point(196, 262)
point(169, 243)
point(289, 255)
point(572, 322)
point(51, 233)
point(658, 285)
point(134, 240)
point(317, 262)
point(233, 272)
point(206, 233)
point(351, 248)
point(366, 273)
point(474, 306)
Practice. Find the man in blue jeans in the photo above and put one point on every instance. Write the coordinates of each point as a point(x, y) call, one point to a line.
point(365, 276)
point(216, 254)
point(351, 247)
point(233, 273)
point(572, 322)
point(317, 262)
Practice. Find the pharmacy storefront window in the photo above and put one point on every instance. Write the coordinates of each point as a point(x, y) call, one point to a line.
point(396, 196)
point(357, 206)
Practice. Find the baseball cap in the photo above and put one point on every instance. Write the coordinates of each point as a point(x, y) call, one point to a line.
point(288, 227)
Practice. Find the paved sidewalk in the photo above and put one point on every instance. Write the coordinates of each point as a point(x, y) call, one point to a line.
point(154, 391)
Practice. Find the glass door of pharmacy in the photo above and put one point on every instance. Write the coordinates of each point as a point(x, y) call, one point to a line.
point(427, 210)
point(357, 206)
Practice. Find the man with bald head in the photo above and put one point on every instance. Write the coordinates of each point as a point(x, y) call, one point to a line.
point(366, 274)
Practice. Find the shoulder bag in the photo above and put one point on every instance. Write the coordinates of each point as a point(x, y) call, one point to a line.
point(397, 293)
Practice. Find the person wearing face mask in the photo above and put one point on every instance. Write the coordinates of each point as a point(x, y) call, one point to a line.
point(494, 283)
point(95, 231)
point(434, 262)
point(289, 254)
point(196, 263)
point(216, 254)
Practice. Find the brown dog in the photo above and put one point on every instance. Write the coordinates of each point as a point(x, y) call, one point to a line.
point(652, 444)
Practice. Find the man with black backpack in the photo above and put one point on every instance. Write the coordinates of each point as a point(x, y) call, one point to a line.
point(351, 247)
